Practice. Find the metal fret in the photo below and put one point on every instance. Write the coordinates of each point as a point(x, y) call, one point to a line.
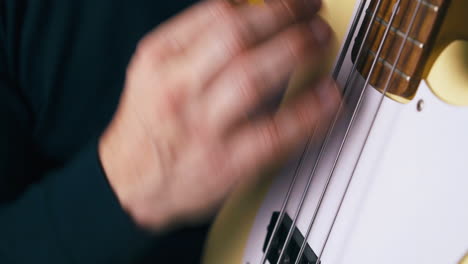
point(388, 65)
point(400, 33)
point(430, 5)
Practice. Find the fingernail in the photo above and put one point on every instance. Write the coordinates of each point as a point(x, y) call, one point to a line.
point(327, 95)
point(321, 31)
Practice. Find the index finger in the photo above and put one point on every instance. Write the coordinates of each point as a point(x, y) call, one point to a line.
point(238, 29)
point(176, 34)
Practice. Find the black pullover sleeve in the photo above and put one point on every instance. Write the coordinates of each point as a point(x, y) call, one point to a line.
point(62, 69)
point(70, 215)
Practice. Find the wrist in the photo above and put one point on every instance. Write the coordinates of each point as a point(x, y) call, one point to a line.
point(124, 159)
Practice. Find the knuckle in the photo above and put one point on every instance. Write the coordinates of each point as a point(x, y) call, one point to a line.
point(270, 138)
point(298, 43)
point(144, 53)
point(239, 32)
point(305, 122)
point(144, 47)
point(294, 10)
point(237, 37)
point(220, 10)
point(158, 46)
point(286, 7)
point(306, 116)
point(247, 83)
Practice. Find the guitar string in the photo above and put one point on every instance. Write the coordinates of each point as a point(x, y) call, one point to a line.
point(313, 172)
point(374, 118)
point(286, 200)
point(324, 143)
point(359, 102)
point(386, 85)
point(330, 129)
point(328, 180)
point(336, 72)
point(292, 184)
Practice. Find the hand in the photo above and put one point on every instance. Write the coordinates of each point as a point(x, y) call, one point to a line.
point(183, 135)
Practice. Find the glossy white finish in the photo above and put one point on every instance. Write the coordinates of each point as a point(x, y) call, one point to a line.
point(408, 199)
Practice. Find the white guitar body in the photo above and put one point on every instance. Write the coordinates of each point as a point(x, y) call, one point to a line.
point(407, 201)
point(407, 198)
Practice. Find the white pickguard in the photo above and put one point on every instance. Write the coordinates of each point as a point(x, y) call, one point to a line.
point(408, 199)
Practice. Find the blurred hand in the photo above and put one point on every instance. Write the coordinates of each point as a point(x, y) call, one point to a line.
point(183, 135)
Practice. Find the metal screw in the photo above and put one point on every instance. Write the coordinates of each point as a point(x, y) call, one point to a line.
point(420, 105)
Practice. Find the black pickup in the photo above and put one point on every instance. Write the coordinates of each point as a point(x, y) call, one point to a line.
point(294, 246)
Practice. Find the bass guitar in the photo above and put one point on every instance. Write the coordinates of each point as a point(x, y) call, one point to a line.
point(388, 181)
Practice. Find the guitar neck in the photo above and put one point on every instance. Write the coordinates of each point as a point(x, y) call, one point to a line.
point(407, 47)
